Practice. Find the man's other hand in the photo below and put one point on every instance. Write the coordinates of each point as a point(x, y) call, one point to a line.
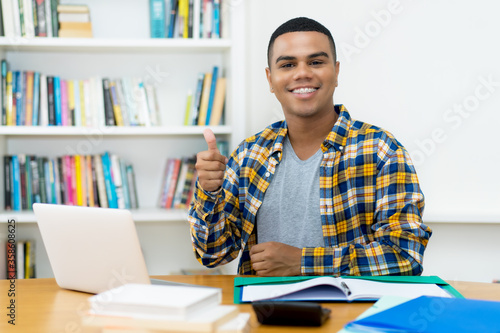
point(275, 259)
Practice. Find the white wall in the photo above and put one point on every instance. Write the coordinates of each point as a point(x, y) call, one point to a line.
point(405, 72)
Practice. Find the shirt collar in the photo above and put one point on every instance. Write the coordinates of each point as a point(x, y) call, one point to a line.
point(337, 137)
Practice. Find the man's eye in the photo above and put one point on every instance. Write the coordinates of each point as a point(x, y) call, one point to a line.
point(316, 62)
point(287, 65)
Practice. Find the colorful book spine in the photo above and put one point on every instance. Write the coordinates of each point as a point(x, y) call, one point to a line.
point(36, 98)
point(213, 84)
point(9, 100)
point(134, 200)
point(29, 98)
point(51, 100)
point(4, 92)
point(78, 174)
point(219, 99)
point(108, 180)
point(16, 184)
point(157, 18)
point(205, 96)
point(57, 100)
point(64, 104)
point(7, 173)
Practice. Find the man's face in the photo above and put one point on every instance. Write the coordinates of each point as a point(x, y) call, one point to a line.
point(303, 74)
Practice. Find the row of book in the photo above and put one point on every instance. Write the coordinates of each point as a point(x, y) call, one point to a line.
point(84, 180)
point(17, 260)
point(178, 183)
point(74, 21)
point(179, 180)
point(188, 19)
point(29, 18)
point(30, 98)
point(206, 106)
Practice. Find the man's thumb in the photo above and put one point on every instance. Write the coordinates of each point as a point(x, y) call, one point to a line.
point(210, 139)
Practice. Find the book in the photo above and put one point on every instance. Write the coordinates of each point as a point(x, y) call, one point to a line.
point(7, 173)
point(108, 181)
point(7, 18)
point(117, 111)
point(51, 100)
point(157, 18)
point(218, 107)
point(205, 321)
point(29, 28)
point(134, 202)
point(117, 180)
point(433, 314)
point(54, 19)
point(205, 96)
point(3, 259)
point(57, 100)
point(36, 98)
point(240, 324)
point(43, 118)
point(3, 92)
point(16, 184)
point(215, 76)
point(173, 183)
point(72, 18)
point(48, 17)
point(101, 187)
point(108, 104)
point(385, 302)
point(187, 112)
point(9, 100)
point(173, 17)
point(197, 99)
point(170, 302)
point(41, 18)
point(71, 8)
point(20, 259)
point(165, 184)
point(335, 289)
point(29, 261)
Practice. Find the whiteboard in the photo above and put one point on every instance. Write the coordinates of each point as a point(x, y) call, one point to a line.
point(426, 71)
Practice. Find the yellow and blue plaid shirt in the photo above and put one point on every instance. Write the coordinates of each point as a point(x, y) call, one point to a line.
point(370, 201)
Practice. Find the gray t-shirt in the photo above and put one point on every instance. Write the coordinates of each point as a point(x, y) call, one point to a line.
point(290, 211)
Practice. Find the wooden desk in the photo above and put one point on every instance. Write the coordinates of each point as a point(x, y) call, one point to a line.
point(41, 306)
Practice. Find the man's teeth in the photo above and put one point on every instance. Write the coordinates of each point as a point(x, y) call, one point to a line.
point(304, 90)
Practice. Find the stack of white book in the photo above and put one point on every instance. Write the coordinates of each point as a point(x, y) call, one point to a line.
point(134, 308)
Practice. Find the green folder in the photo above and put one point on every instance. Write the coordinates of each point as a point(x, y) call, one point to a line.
point(240, 282)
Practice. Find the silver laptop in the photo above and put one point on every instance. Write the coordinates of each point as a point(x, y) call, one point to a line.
point(92, 249)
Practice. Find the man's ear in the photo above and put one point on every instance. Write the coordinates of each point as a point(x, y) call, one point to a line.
point(337, 70)
point(268, 75)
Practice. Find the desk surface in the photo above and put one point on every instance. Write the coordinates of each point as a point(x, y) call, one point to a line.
point(41, 306)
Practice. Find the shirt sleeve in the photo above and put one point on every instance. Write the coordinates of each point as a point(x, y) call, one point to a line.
point(397, 235)
point(215, 224)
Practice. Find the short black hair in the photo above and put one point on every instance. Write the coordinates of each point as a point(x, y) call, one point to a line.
point(300, 24)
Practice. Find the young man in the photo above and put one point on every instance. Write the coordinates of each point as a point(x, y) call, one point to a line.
point(318, 193)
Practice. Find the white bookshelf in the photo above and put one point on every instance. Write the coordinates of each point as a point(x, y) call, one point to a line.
point(173, 66)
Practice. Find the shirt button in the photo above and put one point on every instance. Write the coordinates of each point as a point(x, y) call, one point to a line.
point(268, 174)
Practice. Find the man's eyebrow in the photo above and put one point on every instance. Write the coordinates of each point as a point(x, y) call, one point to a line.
point(285, 58)
point(314, 55)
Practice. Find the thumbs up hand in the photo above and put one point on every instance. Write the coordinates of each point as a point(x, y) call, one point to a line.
point(210, 164)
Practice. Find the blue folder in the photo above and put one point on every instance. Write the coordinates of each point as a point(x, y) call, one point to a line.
point(434, 314)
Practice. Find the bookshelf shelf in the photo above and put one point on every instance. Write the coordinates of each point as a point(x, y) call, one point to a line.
point(119, 45)
point(18, 131)
point(123, 49)
point(142, 215)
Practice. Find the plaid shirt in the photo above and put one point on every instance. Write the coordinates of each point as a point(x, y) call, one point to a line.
point(370, 203)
